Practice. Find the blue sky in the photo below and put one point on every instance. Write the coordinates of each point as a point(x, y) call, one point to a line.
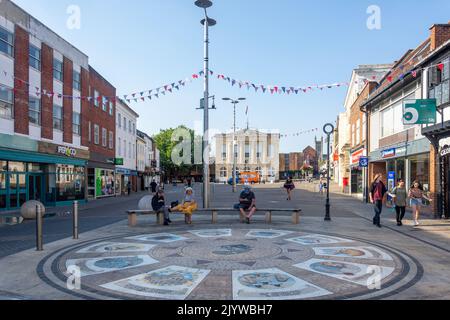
point(143, 44)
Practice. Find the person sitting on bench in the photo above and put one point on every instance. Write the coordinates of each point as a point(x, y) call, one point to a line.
point(247, 202)
point(159, 206)
point(188, 207)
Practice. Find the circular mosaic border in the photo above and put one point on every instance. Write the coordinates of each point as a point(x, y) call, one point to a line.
point(103, 294)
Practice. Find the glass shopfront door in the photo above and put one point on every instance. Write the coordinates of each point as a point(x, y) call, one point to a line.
point(35, 187)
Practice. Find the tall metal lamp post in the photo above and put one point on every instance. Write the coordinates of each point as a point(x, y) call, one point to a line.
point(206, 22)
point(234, 102)
point(328, 129)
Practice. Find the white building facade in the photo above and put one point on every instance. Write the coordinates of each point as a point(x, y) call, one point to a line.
point(126, 121)
point(256, 151)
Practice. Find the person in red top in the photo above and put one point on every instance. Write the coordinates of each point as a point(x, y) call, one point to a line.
point(377, 194)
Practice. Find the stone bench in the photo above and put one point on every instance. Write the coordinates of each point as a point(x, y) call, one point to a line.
point(133, 214)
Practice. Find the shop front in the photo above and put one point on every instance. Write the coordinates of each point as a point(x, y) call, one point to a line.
point(123, 177)
point(52, 175)
point(357, 173)
point(409, 162)
point(101, 177)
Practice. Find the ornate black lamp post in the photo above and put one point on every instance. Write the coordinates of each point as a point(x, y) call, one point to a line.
point(328, 129)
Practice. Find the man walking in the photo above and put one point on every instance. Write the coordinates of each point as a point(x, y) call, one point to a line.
point(153, 186)
point(129, 188)
point(159, 206)
point(377, 194)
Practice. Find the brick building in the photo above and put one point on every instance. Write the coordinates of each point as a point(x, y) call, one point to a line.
point(47, 130)
point(400, 151)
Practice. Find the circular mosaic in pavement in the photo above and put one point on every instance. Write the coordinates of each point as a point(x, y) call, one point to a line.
point(239, 264)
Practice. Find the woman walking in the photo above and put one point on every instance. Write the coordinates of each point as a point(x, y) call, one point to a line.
point(289, 186)
point(416, 195)
point(399, 195)
point(187, 207)
point(377, 193)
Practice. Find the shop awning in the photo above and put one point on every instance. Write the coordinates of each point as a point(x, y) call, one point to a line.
point(23, 156)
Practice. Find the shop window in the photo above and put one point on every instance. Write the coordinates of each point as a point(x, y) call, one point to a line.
point(6, 102)
point(70, 183)
point(34, 111)
point(420, 170)
point(35, 57)
point(6, 42)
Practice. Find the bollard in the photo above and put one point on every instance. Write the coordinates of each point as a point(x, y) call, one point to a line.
point(75, 220)
point(39, 245)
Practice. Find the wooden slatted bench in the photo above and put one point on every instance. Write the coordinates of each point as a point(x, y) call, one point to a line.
point(133, 214)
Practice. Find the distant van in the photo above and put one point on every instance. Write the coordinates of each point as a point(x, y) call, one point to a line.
point(246, 177)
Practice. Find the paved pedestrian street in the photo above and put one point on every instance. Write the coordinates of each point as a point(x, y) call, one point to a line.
point(342, 259)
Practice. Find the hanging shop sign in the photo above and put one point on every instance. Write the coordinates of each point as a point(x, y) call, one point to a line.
point(419, 112)
point(445, 151)
point(363, 162)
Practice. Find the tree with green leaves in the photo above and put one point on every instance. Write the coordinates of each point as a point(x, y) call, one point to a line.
point(177, 150)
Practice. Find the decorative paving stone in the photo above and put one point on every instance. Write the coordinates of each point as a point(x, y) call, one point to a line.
point(173, 282)
point(318, 239)
point(113, 247)
point(213, 233)
point(348, 271)
point(268, 234)
point(159, 237)
point(272, 284)
point(91, 266)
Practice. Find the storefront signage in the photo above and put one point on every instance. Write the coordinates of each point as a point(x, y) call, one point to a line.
point(445, 151)
point(389, 153)
point(68, 152)
point(364, 162)
point(357, 155)
point(118, 161)
point(419, 112)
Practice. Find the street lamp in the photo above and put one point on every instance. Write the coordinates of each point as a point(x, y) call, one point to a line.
point(234, 102)
point(204, 4)
point(328, 129)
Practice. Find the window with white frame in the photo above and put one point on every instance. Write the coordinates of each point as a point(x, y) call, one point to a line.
point(104, 104)
point(34, 111)
point(392, 120)
point(104, 137)
point(134, 153)
point(57, 117)
point(223, 172)
point(76, 80)
point(90, 131)
point(364, 128)
point(76, 123)
point(134, 129)
point(129, 150)
point(439, 83)
point(96, 134)
point(129, 126)
point(6, 102)
point(35, 57)
point(120, 147)
point(119, 120)
point(96, 96)
point(111, 108)
point(259, 151)
point(353, 134)
point(124, 148)
point(58, 70)
point(358, 131)
point(111, 140)
point(124, 124)
point(6, 42)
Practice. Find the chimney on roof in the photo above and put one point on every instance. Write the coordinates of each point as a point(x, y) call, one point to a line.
point(440, 33)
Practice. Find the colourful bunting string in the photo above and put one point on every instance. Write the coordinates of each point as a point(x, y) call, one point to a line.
point(296, 134)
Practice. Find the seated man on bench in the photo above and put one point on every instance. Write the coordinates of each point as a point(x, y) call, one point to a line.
point(159, 206)
point(247, 202)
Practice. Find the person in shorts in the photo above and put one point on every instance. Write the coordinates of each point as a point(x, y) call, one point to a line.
point(247, 203)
